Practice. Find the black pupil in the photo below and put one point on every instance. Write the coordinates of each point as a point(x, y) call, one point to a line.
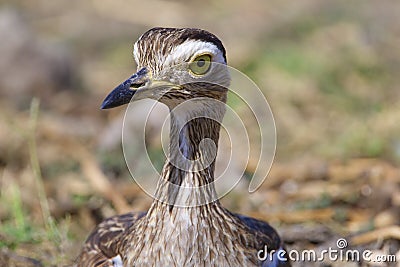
point(201, 63)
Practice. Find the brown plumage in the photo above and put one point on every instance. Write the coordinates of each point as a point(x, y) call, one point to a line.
point(186, 224)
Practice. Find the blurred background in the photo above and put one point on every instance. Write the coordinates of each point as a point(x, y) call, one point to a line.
point(329, 69)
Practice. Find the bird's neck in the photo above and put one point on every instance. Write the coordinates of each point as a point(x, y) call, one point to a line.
point(188, 176)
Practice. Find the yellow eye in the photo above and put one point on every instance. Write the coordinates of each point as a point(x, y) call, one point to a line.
point(200, 65)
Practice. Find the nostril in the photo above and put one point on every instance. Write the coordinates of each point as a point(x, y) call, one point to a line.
point(136, 85)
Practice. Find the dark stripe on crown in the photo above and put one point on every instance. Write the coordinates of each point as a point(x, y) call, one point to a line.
point(177, 36)
point(205, 36)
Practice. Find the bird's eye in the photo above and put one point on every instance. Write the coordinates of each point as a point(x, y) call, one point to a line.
point(200, 65)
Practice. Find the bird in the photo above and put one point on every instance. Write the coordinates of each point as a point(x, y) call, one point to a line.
point(186, 225)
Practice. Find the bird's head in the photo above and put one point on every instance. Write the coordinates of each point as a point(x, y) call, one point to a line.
point(175, 65)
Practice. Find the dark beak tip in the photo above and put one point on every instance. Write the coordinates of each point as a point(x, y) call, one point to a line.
point(105, 105)
point(123, 94)
point(108, 102)
point(117, 97)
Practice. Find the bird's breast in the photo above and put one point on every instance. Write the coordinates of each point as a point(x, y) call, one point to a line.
point(187, 237)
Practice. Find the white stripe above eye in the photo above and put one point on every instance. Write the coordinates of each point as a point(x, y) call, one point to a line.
point(187, 50)
point(136, 52)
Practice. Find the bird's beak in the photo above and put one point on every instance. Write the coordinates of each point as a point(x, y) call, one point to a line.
point(123, 93)
point(140, 85)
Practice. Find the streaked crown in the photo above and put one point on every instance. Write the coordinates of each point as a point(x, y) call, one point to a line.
point(165, 47)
